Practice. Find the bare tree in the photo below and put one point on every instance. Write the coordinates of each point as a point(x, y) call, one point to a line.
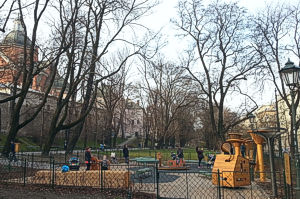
point(112, 99)
point(168, 94)
point(27, 68)
point(206, 135)
point(6, 9)
point(220, 56)
point(275, 35)
point(72, 67)
point(106, 22)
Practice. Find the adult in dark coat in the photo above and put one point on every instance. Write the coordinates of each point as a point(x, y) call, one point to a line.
point(12, 150)
point(180, 153)
point(88, 157)
point(126, 153)
point(200, 156)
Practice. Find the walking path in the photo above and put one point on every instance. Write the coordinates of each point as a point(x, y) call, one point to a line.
point(127, 141)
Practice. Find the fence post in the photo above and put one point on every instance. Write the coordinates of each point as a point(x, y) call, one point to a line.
point(9, 164)
point(157, 181)
point(50, 164)
point(101, 179)
point(53, 173)
point(219, 185)
point(187, 184)
point(24, 172)
point(32, 159)
point(286, 192)
point(65, 157)
point(129, 190)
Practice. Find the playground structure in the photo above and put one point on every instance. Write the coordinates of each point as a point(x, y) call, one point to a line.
point(240, 165)
point(267, 134)
point(112, 179)
point(174, 164)
point(259, 141)
point(96, 164)
point(234, 169)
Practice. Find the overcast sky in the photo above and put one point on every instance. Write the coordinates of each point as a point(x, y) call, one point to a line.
point(166, 10)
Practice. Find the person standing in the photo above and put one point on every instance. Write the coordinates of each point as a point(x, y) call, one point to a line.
point(105, 163)
point(13, 150)
point(88, 157)
point(126, 153)
point(113, 158)
point(200, 156)
point(180, 154)
point(102, 147)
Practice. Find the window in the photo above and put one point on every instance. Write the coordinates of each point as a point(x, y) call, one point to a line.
point(132, 122)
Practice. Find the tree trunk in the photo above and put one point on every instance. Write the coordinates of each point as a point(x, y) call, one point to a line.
point(14, 126)
point(11, 137)
point(75, 137)
point(49, 142)
point(115, 140)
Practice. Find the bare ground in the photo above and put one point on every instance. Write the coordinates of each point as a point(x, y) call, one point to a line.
point(41, 192)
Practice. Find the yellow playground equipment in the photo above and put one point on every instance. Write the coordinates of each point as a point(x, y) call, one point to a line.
point(259, 141)
point(234, 169)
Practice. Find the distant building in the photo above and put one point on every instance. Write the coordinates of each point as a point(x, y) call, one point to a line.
point(12, 58)
point(134, 119)
point(266, 117)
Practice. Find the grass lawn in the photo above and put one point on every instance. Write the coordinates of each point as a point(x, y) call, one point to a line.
point(189, 153)
point(26, 144)
point(59, 142)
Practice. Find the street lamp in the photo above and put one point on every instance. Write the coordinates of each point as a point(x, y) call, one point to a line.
point(290, 75)
point(251, 118)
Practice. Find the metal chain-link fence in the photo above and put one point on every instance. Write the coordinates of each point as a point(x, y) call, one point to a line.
point(134, 178)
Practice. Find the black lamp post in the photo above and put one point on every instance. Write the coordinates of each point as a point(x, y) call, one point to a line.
point(290, 75)
point(251, 118)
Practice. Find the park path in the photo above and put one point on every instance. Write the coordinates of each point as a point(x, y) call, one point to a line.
point(127, 141)
point(194, 186)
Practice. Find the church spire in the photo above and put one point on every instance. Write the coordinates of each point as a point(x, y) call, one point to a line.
point(18, 24)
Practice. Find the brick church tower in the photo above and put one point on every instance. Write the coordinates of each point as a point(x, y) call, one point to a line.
point(12, 56)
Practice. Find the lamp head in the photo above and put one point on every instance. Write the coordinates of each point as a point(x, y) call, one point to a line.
point(290, 74)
